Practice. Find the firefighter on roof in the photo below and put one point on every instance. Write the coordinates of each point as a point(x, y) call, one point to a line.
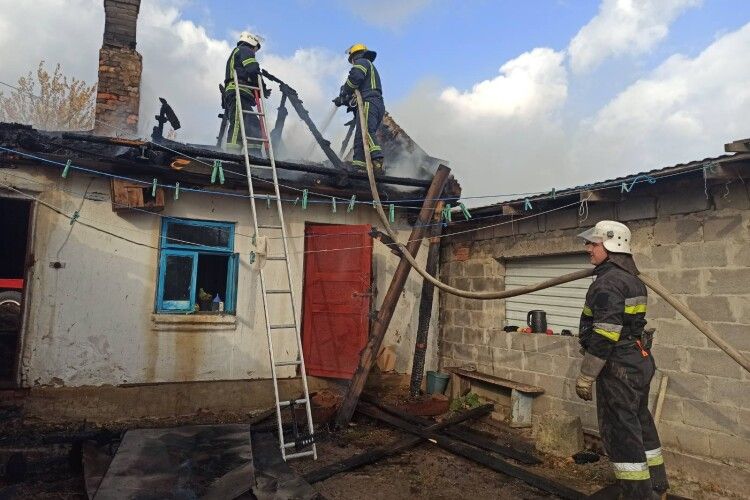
point(617, 356)
point(242, 59)
point(364, 76)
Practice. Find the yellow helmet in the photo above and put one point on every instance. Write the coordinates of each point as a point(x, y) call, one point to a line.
point(360, 47)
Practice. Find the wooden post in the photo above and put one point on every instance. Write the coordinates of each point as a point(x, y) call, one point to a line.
point(425, 305)
point(380, 325)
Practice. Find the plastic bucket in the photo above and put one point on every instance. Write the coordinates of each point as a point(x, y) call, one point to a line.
point(437, 382)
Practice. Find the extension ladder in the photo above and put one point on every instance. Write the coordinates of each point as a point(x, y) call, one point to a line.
point(304, 445)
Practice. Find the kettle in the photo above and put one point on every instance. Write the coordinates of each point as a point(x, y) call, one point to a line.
point(537, 321)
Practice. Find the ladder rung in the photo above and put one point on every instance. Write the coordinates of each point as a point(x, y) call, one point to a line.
point(257, 113)
point(269, 292)
point(287, 363)
point(268, 226)
point(258, 139)
point(296, 401)
point(276, 257)
point(243, 86)
point(261, 167)
point(283, 326)
point(300, 454)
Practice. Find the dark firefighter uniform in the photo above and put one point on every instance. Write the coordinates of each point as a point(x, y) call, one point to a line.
point(242, 59)
point(612, 329)
point(364, 76)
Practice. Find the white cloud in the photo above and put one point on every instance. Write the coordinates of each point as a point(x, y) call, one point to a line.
point(495, 132)
point(624, 27)
point(181, 61)
point(684, 110)
point(534, 83)
point(64, 31)
point(386, 13)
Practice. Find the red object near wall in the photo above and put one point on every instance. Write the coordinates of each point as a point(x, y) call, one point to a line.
point(337, 298)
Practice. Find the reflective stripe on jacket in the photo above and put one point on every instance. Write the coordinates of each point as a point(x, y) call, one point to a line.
point(243, 60)
point(614, 312)
point(362, 76)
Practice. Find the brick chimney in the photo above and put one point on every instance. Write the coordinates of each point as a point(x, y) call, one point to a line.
point(118, 93)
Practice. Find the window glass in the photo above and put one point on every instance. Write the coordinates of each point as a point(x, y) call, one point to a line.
point(189, 234)
point(178, 277)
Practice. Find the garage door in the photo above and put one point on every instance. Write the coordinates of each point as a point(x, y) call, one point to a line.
point(562, 303)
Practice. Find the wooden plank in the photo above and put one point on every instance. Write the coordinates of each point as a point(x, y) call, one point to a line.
point(491, 379)
point(741, 146)
point(475, 454)
point(393, 448)
point(612, 194)
point(425, 305)
point(383, 319)
point(462, 433)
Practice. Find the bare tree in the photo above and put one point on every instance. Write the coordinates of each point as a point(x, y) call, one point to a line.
point(60, 103)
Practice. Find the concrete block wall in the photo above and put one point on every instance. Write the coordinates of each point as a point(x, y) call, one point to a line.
point(698, 248)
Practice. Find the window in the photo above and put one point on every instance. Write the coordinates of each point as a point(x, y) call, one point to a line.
point(562, 303)
point(197, 261)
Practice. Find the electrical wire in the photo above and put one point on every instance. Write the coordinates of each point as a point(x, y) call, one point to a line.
point(632, 180)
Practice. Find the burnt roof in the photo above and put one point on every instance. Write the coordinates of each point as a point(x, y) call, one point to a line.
point(191, 164)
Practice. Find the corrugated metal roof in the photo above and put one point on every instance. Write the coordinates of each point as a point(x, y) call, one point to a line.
point(617, 182)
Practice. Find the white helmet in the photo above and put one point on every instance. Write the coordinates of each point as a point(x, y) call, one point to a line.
point(614, 235)
point(252, 39)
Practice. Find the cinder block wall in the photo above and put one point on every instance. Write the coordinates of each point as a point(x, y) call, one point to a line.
point(698, 247)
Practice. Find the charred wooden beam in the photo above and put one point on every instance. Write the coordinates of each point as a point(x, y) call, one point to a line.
point(383, 319)
point(188, 150)
point(393, 448)
point(461, 433)
point(425, 304)
point(304, 115)
point(475, 454)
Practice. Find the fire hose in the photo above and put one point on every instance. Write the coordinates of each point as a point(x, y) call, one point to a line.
point(701, 325)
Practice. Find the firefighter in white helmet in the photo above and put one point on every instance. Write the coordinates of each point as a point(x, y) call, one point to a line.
point(243, 61)
point(617, 356)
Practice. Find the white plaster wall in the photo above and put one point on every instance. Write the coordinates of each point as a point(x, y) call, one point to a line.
point(90, 323)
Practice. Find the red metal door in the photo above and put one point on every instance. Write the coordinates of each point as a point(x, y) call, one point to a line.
point(337, 298)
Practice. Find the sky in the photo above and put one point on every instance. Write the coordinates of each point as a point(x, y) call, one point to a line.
point(516, 96)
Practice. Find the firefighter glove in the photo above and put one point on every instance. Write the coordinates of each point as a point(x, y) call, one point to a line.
point(590, 369)
point(338, 101)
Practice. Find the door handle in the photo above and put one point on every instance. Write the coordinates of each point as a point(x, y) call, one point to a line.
point(362, 294)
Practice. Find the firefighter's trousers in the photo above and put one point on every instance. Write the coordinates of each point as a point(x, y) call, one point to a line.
point(374, 112)
point(252, 122)
point(625, 424)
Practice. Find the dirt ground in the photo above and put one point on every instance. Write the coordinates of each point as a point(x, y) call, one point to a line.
point(53, 464)
point(425, 472)
point(53, 468)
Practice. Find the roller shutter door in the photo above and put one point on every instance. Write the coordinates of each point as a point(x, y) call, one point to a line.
point(562, 303)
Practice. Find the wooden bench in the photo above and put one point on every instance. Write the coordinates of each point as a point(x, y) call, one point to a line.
point(521, 395)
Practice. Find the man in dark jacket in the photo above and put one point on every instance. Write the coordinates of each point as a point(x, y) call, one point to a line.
point(242, 60)
point(364, 77)
point(617, 356)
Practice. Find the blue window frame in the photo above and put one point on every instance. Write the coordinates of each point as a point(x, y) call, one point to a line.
point(196, 255)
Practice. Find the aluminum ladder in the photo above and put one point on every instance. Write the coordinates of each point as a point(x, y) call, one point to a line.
point(288, 449)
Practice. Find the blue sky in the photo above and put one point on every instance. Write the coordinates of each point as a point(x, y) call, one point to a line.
point(525, 94)
point(457, 42)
